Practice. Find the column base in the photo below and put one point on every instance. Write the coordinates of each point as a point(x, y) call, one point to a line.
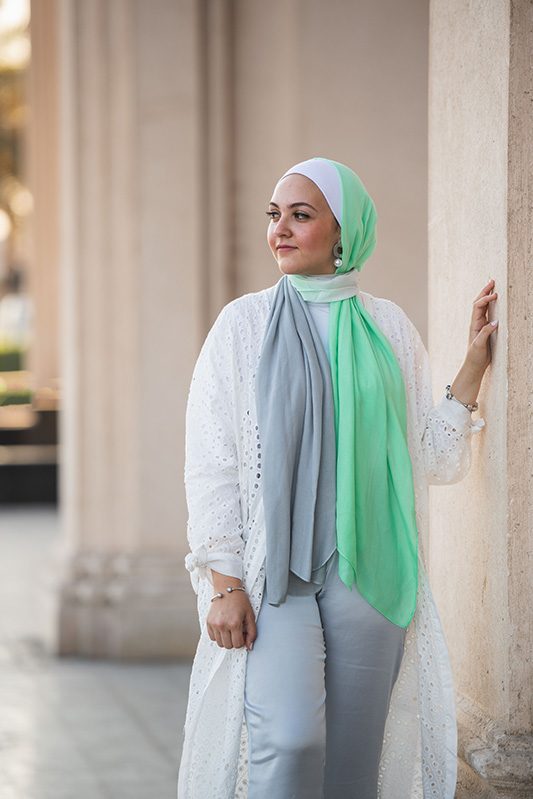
point(493, 764)
point(126, 606)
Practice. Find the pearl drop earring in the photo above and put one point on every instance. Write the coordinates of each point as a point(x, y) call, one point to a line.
point(337, 251)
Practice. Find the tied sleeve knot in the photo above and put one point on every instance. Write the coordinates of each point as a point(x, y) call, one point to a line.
point(197, 559)
point(201, 560)
point(197, 563)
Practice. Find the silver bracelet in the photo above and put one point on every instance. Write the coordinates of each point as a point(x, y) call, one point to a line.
point(473, 406)
point(229, 589)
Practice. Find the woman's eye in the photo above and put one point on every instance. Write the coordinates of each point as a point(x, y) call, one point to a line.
point(296, 214)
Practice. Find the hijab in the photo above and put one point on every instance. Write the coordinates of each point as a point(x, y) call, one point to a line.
point(335, 463)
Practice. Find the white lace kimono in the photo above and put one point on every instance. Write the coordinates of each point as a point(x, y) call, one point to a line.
point(226, 528)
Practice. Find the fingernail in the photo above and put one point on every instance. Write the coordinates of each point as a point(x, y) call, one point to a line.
point(494, 322)
point(251, 646)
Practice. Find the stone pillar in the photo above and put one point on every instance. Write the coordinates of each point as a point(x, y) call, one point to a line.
point(217, 76)
point(132, 275)
point(480, 226)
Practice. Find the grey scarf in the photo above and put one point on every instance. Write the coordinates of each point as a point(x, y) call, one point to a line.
point(296, 421)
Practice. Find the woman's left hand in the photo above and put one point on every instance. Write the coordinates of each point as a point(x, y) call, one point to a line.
point(478, 355)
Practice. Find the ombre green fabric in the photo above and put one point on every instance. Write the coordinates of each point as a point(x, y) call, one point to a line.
point(377, 537)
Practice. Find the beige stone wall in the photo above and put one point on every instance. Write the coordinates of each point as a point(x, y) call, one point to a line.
point(480, 226)
point(468, 245)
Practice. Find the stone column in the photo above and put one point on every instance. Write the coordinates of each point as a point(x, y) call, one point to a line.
point(132, 277)
point(216, 245)
point(480, 226)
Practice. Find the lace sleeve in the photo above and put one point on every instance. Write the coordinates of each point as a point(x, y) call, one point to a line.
point(214, 524)
point(445, 428)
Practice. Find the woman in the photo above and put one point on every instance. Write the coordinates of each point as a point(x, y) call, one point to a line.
point(311, 438)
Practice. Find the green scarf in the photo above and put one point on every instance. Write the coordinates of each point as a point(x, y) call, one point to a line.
point(377, 536)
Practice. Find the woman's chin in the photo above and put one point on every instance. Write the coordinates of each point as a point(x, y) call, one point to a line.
point(293, 268)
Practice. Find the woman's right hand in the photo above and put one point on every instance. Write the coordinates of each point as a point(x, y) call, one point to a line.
point(231, 619)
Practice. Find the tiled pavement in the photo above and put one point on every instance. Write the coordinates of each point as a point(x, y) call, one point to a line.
point(72, 728)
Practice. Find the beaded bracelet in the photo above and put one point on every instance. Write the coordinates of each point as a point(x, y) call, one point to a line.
point(473, 406)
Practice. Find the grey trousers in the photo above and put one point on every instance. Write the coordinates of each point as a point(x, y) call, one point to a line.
point(317, 692)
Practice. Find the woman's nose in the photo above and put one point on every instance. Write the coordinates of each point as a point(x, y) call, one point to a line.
point(281, 226)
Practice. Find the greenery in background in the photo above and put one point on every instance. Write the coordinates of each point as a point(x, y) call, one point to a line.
point(22, 397)
point(16, 201)
point(15, 198)
point(14, 396)
point(11, 358)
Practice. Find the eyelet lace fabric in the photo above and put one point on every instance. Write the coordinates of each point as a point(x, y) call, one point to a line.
point(225, 530)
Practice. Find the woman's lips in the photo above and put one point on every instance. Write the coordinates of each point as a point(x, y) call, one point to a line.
point(286, 247)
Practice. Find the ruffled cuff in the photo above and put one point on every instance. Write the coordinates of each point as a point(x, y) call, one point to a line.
point(200, 561)
point(458, 416)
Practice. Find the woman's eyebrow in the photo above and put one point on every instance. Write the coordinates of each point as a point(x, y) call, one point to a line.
point(292, 205)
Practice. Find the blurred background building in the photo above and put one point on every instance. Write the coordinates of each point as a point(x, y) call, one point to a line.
point(139, 146)
point(28, 404)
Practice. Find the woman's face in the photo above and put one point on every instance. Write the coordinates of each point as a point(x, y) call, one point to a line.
point(301, 219)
